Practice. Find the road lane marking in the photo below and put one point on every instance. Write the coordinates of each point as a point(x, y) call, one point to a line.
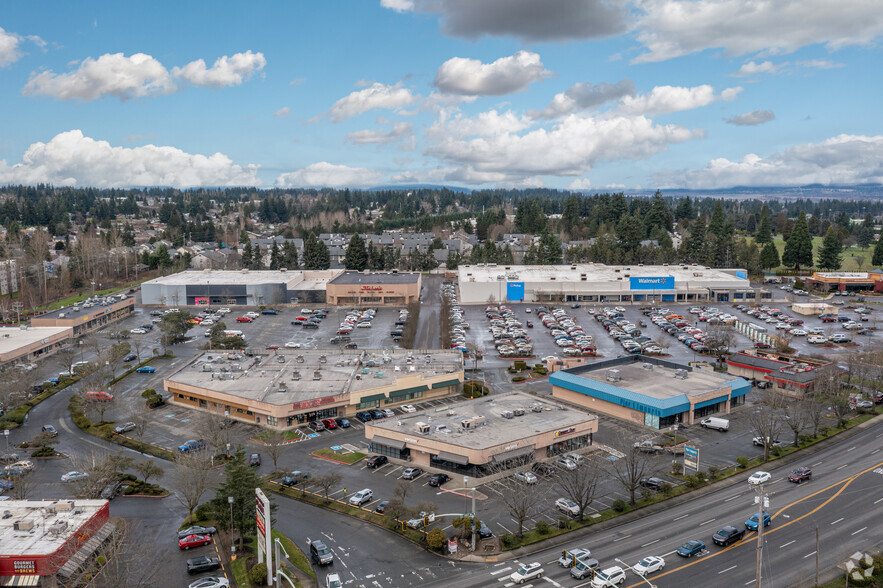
point(732, 498)
point(500, 571)
point(552, 582)
point(787, 544)
point(850, 449)
point(880, 500)
point(843, 466)
point(726, 570)
point(651, 543)
point(681, 517)
point(837, 521)
point(669, 553)
point(708, 521)
point(809, 555)
point(860, 530)
point(817, 463)
point(621, 538)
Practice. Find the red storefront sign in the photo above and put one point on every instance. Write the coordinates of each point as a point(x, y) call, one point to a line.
point(312, 403)
point(372, 287)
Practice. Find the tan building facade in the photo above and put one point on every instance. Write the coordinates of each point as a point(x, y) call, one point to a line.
point(85, 319)
point(374, 289)
point(23, 345)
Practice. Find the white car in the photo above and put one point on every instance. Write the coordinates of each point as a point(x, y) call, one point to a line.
point(408, 408)
point(567, 506)
point(797, 332)
point(527, 572)
point(818, 339)
point(364, 325)
point(224, 310)
point(567, 464)
point(210, 582)
point(24, 464)
point(648, 565)
point(292, 345)
point(333, 581)
point(550, 358)
point(207, 323)
point(137, 331)
point(526, 477)
point(759, 478)
point(361, 497)
point(252, 315)
point(609, 577)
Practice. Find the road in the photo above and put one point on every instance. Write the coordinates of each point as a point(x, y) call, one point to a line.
point(429, 326)
point(843, 501)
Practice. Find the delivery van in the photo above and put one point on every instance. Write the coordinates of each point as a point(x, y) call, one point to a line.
point(716, 423)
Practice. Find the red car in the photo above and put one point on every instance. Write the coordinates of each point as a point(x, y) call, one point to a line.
point(272, 347)
point(194, 541)
point(329, 423)
point(243, 319)
point(344, 331)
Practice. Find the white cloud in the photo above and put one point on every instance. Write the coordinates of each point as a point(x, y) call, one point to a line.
point(583, 96)
point(139, 76)
point(840, 160)
point(226, 71)
point(667, 99)
point(580, 184)
point(138, 137)
point(399, 132)
point(71, 159)
point(571, 147)
point(819, 64)
point(377, 95)
point(755, 117)
point(398, 5)
point(528, 20)
point(471, 77)
point(112, 74)
point(9, 51)
point(671, 28)
point(284, 111)
point(751, 68)
point(482, 124)
point(324, 174)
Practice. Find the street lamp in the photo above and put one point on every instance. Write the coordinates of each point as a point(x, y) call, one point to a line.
point(649, 583)
point(232, 545)
point(277, 560)
point(6, 434)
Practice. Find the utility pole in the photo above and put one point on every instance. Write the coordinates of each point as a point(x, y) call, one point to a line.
point(763, 501)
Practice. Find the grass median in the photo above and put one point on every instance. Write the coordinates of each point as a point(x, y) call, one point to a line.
point(346, 458)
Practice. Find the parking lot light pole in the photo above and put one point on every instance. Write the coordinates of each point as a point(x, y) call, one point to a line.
point(6, 434)
point(232, 545)
point(278, 559)
point(472, 514)
point(627, 566)
point(281, 574)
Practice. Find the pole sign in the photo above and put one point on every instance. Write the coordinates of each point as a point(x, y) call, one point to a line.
point(691, 458)
point(265, 538)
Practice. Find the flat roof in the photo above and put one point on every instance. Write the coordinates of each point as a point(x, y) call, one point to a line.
point(211, 277)
point(597, 272)
point(12, 338)
point(86, 309)
point(353, 278)
point(286, 376)
point(660, 382)
point(42, 538)
point(496, 429)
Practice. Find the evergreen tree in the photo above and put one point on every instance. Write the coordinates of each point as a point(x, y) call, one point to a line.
point(694, 246)
point(316, 256)
point(798, 247)
point(550, 249)
point(684, 210)
point(769, 256)
point(453, 260)
point(659, 215)
point(764, 229)
point(831, 251)
point(275, 256)
point(289, 256)
point(240, 480)
point(877, 259)
point(864, 235)
point(356, 257)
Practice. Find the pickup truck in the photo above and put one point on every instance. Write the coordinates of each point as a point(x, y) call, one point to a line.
point(197, 565)
point(191, 445)
point(649, 446)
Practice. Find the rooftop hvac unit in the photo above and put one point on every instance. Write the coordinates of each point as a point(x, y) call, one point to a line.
point(647, 366)
point(682, 374)
point(613, 375)
point(422, 427)
point(58, 527)
point(23, 525)
point(62, 505)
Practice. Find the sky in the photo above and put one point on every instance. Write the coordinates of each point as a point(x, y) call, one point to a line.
point(574, 94)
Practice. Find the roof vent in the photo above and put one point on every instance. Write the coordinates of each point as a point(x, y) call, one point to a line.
point(681, 374)
point(613, 375)
point(647, 366)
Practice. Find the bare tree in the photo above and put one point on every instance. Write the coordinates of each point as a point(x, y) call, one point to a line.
point(401, 491)
point(782, 342)
point(96, 406)
point(815, 408)
point(632, 465)
point(138, 346)
point(141, 419)
point(522, 500)
point(766, 419)
point(125, 565)
point(193, 479)
point(101, 469)
point(579, 485)
point(210, 428)
point(797, 415)
point(829, 389)
point(719, 340)
point(327, 481)
point(274, 441)
point(148, 469)
point(22, 486)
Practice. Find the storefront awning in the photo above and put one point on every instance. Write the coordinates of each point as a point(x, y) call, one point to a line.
point(373, 397)
point(507, 455)
point(406, 391)
point(445, 384)
point(388, 442)
point(453, 458)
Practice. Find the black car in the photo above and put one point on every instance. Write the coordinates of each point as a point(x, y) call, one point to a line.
point(375, 461)
point(197, 565)
point(311, 325)
point(728, 535)
point(130, 357)
point(352, 345)
point(653, 483)
point(438, 479)
point(484, 531)
point(377, 414)
point(342, 423)
point(381, 506)
point(254, 459)
point(364, 416)
point(544, 469)
point(196, 530)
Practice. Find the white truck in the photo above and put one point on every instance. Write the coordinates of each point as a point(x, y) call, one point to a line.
point(715, 423)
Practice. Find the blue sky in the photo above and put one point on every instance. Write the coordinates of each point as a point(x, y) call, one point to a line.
point(582, 94)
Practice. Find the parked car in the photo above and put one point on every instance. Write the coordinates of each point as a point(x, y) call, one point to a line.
point(728, 535)
point(191, 445)
point(330, 424)
point(74, 476)
point(130, 357)
point(210, 582)
point(527, 572)
point(648, 565)
point(361, 497)
point(412, 473)
point(437, 480)
point(124, 428)
point(316, 426)
point(565, 463)
point(254, 459)
point(196, 530)
point(197, 565)
point(194, 541)
point(567, 506)
point(364, 416)
point(51, 430)
point(653, 483)
point(408, 408)
point(800, 475)
point(381, 506)
point(761, 441)
point(691, 548)
point(294, 477)
point(375, 461)
point(342, 423)
point(751, 523)
point(526, 477)
point(146, 369)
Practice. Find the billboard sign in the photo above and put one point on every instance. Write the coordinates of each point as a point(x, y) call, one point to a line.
point(652, 283)
point(515, 291)
point(265, 539)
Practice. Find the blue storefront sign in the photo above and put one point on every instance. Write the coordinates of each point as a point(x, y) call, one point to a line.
point(654, 283)
point(515, 291)
point(743, 275)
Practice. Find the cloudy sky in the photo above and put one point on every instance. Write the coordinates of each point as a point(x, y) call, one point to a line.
point(582, 94)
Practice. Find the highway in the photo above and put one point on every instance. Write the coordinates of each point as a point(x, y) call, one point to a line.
point(844, 500)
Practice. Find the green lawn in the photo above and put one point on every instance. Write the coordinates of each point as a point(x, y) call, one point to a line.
point(347, 458)
point(850, 263)
point(295, 555)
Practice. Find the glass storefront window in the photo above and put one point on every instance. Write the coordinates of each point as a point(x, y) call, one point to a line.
point(569, 445)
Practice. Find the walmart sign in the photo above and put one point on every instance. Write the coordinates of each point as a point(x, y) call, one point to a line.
point(515, 291)
point(657, 283)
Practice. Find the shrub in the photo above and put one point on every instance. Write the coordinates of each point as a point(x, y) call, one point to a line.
point(742, 461)
point(676, 467)
point(101, 560)
point(258, 574)
point(712, 471)
point(43, 452)
point(148, 393)
point(693, 481)
point(203, 512)
point(619, 505)
point(542, 527)
point(436, 539)
point(540, 371)
point(520, 365)
point(563, 523)
point(519, 379)
point(509, 541)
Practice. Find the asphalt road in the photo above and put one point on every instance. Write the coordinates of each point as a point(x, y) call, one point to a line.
point(429, 325)
point(843, 501)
